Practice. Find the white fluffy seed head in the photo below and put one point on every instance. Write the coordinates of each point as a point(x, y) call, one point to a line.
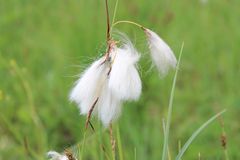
point(162, 55)
point(110, 87)
point(124, 81)
point(56, 156)
point(89, 86)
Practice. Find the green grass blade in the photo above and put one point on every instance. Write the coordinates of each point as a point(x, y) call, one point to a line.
point(135, 153)
point(119, 144)
point(115, 12)
point(195, 134)
point(165, 145)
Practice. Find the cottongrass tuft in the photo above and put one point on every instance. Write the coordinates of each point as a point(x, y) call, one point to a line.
point(56, 156)
point(89, 86)
point(114, 79)
point(109, 106)
point(109, 82)
point(161, 54)
point(124, 81)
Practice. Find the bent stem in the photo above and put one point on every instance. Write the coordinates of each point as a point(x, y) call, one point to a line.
point(89, 115)
point(128, 22)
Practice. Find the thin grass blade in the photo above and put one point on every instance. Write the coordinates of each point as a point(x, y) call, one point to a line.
point(170, 106)
point(195, 134)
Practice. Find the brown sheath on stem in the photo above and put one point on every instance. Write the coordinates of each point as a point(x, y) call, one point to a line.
point(108, 21)
point(90, 113)
point(69, 154)
point(112, 140)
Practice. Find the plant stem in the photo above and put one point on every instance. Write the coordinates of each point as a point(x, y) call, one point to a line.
point(115, 12)
point(119, 144)
point(129, 22)
point(195, 134)
point(170, 106)
point(112, 141)
point(108, 21)
point(89, 115)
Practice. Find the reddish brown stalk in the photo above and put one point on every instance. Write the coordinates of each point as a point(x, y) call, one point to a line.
point(105, 152)
point(112, 140)
point(223, 135)
point(69, 154)
point(110, 43)
point(224, 141)
point(108, 21)
point(90, 113)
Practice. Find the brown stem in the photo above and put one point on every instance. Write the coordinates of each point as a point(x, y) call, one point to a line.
point(90, 113)
point(109, 41)
point(112, 140)
point(69, 154)
point(108, 21)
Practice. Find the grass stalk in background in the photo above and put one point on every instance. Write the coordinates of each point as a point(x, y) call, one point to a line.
point(167, 127)
point(170, 106)
point(115, 12)
point(18, 138)
point(82, 146)
point(195, 134)
point(135, 153)
point(112, 142)
point(224, 140)
point(119, 144)
point(38, 126)
point(164, 134)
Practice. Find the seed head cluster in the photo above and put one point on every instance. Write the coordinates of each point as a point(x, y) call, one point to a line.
point(114, 79)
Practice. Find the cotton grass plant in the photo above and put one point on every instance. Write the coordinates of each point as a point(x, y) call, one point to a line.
point(113, 79)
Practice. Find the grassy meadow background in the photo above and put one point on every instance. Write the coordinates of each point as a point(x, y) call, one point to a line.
point(44, 44)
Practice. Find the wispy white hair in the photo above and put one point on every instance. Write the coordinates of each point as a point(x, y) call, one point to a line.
point(124, 81)
point(109, 106)
point(110, 86)
point(162, 55)
point(89, 86)
point(56, 156)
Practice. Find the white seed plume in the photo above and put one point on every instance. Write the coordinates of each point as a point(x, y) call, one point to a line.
point(89, 86)
point(162, 55)
point(124, 81)
point(56, 156)
point(109, 106)
point(123, 84)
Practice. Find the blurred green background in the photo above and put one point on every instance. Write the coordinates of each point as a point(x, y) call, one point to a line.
point(44, 44)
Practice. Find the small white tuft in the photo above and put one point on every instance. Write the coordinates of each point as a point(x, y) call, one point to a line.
point(162, 55)
point(124, 80)
point(89, 86)
point(56, 156)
